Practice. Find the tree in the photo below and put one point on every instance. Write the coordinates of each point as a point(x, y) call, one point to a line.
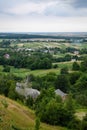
point(75, 66)
point(84, 123)
point(67, 57)
point(73, 77)
point(55, 66)
point(64, 70)
point(29, 101)
point(62, 83)
point(11, 92)
point(6, 68)
point(5, 43)
point(45, 64)
point(69, 104)
point(82, 99)
point(37, 124)
point(84, 65)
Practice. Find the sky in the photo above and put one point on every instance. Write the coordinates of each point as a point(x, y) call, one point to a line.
point(43, 15)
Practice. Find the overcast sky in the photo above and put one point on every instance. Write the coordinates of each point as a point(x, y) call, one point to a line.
point(43, 15)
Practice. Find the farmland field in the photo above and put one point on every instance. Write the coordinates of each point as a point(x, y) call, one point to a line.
point(36, 45)
point(22, 72)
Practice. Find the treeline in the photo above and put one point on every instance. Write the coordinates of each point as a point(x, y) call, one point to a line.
point(7, 85)
point(21, 60)
point(32, 36)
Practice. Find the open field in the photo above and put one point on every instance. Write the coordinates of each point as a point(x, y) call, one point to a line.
point(19, 116)
point(80, 113)
point(24, 72)
point(36, 45)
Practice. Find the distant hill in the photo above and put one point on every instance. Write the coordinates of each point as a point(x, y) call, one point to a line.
point(43, 35)
point(14, 116)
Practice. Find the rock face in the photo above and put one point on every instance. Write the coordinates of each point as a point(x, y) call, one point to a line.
point(26, 92)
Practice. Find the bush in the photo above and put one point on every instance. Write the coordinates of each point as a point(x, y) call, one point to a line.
point(75, 66)
point(6, 69)
point(55, 66)
point(37, 124)
point(5, 104)
point(74, 124)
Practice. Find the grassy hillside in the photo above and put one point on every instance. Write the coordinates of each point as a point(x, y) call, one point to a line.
point(19, 116)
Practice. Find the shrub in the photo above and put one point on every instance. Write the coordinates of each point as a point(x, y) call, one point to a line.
point(5, 104)
point(37, 124)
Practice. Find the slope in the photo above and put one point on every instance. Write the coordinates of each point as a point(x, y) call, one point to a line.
point(14, 116)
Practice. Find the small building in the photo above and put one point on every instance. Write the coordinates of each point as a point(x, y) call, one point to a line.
point(73, 60)
point(61, 94)
point(7, 56)
point(25, 91)
point(76, 52)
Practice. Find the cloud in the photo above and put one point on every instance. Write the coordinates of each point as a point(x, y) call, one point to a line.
point(80, 3)
point(41, 15)
point(30, 7)
point(63, 8)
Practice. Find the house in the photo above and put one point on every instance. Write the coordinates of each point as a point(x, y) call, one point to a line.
point(26, 92)
point(7, 56)
point(76, 52)
point(61, 94)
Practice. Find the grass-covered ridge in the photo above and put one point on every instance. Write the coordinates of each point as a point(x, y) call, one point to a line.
point(12, 114)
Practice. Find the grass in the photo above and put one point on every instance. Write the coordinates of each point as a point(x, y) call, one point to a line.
point(80, 113)
point(22, 72)
point(36, 45)
point(20, 116)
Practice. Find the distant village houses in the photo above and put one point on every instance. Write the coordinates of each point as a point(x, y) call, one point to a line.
point(7, 56)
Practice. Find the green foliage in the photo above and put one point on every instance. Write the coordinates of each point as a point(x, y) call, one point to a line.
point(15, 128)
point(69, 104)
point(73, 77)
point(52, 110)
point(5, 103)
point(64, 70)
point(5, 43)
point(58, 99)
point(81, 85)
point(55, 66)
point(46, 81)
point(67, 57)
point(1, 120)
point(81, 99)
point(74, 124)
point(22, 59)
point(62, 83)
point(84, 123)
point(37, 124)
point(75, 66)
point(45, 64)
point(12, 93)
point(7, 86)
point(84, 65)
point(30, 102)
point(6, 68)
point(85, 117)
